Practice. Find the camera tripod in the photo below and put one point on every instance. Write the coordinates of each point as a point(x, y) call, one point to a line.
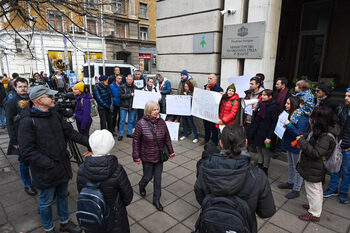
point(75, 155)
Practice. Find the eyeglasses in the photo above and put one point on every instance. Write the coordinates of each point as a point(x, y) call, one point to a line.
point(317, 91)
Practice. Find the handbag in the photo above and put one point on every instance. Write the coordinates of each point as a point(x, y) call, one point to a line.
point(164, 153)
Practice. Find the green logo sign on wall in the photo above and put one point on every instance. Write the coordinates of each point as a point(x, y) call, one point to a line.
point(203, 43)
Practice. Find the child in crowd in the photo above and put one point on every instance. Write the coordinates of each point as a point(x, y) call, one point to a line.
point(304, 93)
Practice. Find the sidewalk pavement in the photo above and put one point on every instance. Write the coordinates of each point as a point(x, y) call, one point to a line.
point(19, 211)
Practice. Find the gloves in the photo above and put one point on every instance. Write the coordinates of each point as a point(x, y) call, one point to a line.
point(172, 155)
point(137, 160)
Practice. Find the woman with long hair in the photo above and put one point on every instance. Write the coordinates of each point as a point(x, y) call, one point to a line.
point(82, 108)
point(316, 147)
point(292, 131)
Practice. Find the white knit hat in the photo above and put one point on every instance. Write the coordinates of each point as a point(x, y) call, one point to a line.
point(101, 142)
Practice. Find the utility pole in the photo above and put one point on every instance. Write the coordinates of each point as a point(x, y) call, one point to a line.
point(42, 50)
point(88, 53)
point(75, 49)
point(103, 39)
point(33, 38)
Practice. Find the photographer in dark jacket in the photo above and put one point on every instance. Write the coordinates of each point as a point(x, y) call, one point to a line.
point(103, 96)
point(230, 173)
point(104, 168)
point(42, 143)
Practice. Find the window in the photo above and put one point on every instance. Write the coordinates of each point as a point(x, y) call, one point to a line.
point(121, 31)
point(55, 20)
point(143, 33)
point(91, 26)
point(90, 3)
point(143, 10)
point(119, 6)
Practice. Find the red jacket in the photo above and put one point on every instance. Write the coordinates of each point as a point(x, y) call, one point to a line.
point(144, 146)
point(229, 109)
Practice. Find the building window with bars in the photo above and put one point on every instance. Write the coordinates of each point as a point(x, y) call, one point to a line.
point(91, 26)
point(143, 33)
point(119, 6)
point(143, 10)
point(121, 30)
point(90, 3)
point(55, 21)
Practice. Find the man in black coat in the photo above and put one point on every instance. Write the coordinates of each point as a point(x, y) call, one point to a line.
point(42, 143)
point(12, 110)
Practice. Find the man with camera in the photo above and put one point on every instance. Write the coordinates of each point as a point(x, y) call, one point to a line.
point(43, 146)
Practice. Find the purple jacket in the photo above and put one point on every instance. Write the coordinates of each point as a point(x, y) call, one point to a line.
point(144, 146)
point(82, 110)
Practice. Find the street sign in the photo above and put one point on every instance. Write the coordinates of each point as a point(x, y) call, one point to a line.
point(203, 43)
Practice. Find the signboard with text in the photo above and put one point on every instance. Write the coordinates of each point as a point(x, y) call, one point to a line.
point(205, 105)
point(243, 40)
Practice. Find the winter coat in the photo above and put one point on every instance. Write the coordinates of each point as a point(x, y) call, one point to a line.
point(165, 88)
point(229, 109)
point(115, 93)
point(144, 146)
point(292, 131)
point(2, 95)
point(114, 181)
point(82, 110)
point(103, 96)
point(215, 88)
point(250, 95)
point(180, 88)
point(236, 177)
point(329, 102)
point(42, 144)
point(344, 121)
point(263, 128)
point(314, 152)
point(126, 99)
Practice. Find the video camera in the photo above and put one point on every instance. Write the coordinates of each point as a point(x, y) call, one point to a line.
point(65, 104)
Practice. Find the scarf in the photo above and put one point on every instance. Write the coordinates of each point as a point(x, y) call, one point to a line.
point(319, 100)
point(186, 79)
point(210, 86)
point(280, 97)
point(262, 108)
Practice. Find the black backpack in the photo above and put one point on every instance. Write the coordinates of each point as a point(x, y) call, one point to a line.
point(93, 213)
point(224, 215)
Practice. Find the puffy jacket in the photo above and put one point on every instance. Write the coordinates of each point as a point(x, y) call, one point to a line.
point(82, 110)
point(314, 151)
point(263, 128)
point(103, 96)
point(144, 146)
point(292, 131)
point(114, 180)
point(42, 144)
point(115, 92)
point(236, 177)
point(229, 109)
point(344, 121)
point(125, 96)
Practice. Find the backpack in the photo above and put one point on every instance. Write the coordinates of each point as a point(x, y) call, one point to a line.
point(93, 107)
point(93, 214)
point(333, 163)
point(224, 215)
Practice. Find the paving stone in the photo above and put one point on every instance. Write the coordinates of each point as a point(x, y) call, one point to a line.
point(7, 228)
point(131, 220)
point(191, 199)
point(158, 222)
point(334, 222)
point(134, 179)
point(127, 150)
point(313, 227)
point(168, 166)
point(191, 221)
point(270, 228)
point(191, 165)
point(333, 206)
point(134, 166)
point(3, 217)
point(11, 198)
point(165, 199)
point(179, 172)
point(180, 210)
point(279, 199)
point(140, 209)
point(180, 188)
point(288, 221)
point(136, 197)
point(260, 222)
point(12, 186)
point(168, 179)
point(25, 222)
point(25, 207)
point(294, 206)
point(191, 179)
point(179, 149)
point(179, 228)
point(180, 159)
point(8, 176)
point(137, 229)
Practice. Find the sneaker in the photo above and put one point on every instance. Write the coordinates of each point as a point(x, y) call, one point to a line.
point(293, 194)
point(195, 140)
point(51, 231)
point(343, 201)
point(343, 198)
point(285, 186)
point(309, 218)
point(329, 193)
point(70, 227)
point(183, 138)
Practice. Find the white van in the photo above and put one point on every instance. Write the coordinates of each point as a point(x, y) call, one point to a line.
point(96, 70)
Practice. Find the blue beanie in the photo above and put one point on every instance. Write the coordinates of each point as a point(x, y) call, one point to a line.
point(103, 78)
point(184, 72)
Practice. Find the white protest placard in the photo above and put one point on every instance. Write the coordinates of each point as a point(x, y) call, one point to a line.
point(142, 97)
point(163, 116)
point(280, 129)
point(178, 105)
point(241, 84)
point(205, 104)
point(173, 128)
point(138, 83)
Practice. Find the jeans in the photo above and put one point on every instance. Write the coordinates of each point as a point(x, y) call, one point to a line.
point(188, 120)
point(139, 115)
point(131, 121)
point(115, 115)
point(293, 175)
point(105, 119)
point(25, 175)
point(46, 200)
point(2, 115)
point(264, 155)
point(210, 131)
point(345, 173)
point(152, 170)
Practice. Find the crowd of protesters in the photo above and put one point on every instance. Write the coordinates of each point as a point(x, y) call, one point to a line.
point(314, 126)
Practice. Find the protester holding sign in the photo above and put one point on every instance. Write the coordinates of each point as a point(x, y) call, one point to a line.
point(229, 106)
point(188, 120)
point(210, 127)
point(164, 87)
point(140, 83)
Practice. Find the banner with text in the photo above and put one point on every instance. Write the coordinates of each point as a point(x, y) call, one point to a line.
point(142, 97)
point(205, 104)
point(178, 105)
point(173, 128)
